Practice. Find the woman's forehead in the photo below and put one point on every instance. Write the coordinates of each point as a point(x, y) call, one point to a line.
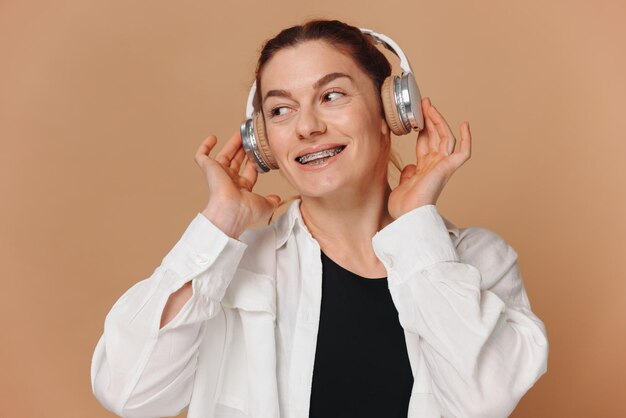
point(303, 65)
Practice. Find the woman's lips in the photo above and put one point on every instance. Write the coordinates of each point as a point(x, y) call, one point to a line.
point(312, 157)
point(319, 163)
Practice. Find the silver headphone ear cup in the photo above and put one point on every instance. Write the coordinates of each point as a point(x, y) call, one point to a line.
point(263, 143)
point(251, 147)
point(409, 102)
point(390, 107)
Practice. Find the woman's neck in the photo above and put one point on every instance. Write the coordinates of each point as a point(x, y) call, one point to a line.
point(344, 228)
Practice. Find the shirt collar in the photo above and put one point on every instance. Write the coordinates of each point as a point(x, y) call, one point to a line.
point(292, 217)
point(285, 224)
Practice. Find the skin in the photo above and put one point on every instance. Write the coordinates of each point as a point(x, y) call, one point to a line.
point(314, 97)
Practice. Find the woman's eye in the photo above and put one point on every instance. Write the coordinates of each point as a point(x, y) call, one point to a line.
point(279, 111)
point(333, 95)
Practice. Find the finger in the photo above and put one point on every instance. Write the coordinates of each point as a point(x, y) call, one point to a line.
point(274, 200)
point(229, 150)
point(464, 151)
point(443, 130)
point(421, 148)
point(407, 172)
point(465, 148)
point(433, 135)
point(203, 151)
point(249, 174)
point(235, 163)
point(448, 144)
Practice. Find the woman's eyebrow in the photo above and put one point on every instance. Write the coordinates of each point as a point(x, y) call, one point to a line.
point(319, 83)
point(276, 93)
point(330, 77)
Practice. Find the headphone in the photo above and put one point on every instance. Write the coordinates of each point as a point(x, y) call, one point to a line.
point(401, 103)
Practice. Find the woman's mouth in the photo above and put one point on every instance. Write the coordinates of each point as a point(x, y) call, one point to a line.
point(319, 157)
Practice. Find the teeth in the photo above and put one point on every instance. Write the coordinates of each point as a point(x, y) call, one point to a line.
point(321, 154)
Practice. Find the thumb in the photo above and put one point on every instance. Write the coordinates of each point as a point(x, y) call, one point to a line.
point(274, 200)
point(407, 172)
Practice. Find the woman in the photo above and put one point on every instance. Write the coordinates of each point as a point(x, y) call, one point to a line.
point(359, 301)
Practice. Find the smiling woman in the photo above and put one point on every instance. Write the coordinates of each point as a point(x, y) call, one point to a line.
point(315, 100)
point(361, 300)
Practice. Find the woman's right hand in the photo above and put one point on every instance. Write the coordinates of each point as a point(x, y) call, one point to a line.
point(232, 207)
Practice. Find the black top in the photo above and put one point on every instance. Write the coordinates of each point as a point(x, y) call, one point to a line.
point(361, 367)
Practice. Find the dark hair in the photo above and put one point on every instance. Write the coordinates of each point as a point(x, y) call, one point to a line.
point(349, 39)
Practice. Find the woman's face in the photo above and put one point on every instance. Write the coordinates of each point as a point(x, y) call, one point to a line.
point(323, 121)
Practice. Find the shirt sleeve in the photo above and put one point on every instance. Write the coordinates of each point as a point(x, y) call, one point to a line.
point(139, 369)
point(482, 344)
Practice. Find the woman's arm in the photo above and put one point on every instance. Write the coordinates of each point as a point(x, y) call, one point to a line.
point(145, 362)
point(142, 369)
point(483, 346)
point(232, 206)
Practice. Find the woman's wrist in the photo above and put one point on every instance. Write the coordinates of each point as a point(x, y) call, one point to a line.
point(226, 219)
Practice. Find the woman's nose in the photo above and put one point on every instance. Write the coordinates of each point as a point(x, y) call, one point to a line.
point(309, 123)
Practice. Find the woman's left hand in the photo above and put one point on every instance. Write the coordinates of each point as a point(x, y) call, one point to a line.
point(437, 160)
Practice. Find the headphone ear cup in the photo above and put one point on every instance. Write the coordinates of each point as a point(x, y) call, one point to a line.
point(390, 106)
point(264, 147)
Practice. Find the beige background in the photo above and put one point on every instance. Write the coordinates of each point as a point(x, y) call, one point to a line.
point(103, 104)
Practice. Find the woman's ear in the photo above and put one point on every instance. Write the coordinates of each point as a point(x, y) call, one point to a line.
point(384, 128)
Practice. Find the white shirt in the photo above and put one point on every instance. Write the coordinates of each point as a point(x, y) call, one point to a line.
point(244, 344)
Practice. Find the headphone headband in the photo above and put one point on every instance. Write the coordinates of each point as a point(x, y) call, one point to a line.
point(389, 44)
point(249, 103)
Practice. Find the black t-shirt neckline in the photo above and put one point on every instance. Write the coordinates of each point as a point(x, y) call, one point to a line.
point(346, 272)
